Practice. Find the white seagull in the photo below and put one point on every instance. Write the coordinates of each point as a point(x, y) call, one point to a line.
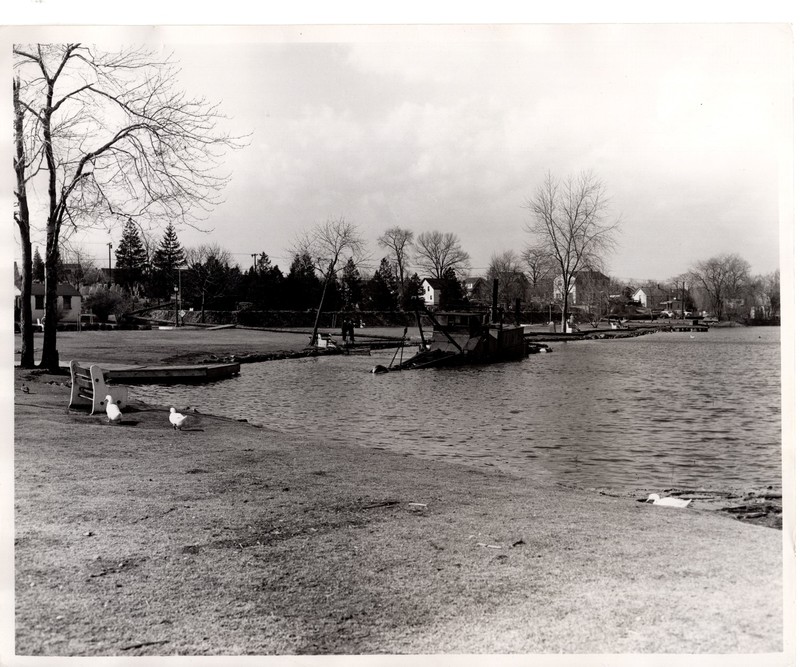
point(176, 418)
point(112, 411)
point(667, 502)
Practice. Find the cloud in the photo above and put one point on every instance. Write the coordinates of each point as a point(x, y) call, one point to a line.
point(452, 128)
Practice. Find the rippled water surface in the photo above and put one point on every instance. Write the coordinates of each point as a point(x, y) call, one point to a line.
point(662, 410)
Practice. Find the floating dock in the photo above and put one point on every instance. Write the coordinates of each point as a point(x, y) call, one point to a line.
point(172, 374)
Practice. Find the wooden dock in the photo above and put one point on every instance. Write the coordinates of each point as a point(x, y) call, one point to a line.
point(172, 374)
point(689, 327)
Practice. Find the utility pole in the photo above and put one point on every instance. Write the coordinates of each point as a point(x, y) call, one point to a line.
point(109, 258)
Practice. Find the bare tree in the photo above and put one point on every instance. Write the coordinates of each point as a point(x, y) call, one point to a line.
point(771, 293)
point(209, 272)
point(25, 157)
point(595, 288)
point(83, 267)
point(437, 252)
point(721, 278)
point(681, 287)
point(330, 244)
point(399, 241)
point(569, 218)
point(512, 284)
point(119, 140)
point(738, 270)
point(540, 270)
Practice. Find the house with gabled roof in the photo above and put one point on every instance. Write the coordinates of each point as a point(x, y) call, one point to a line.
point(69, 303)
point(477, 289)
point(585, 288)
point(432, 291)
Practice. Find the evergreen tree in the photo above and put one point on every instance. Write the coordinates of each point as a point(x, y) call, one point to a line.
point(303, 288)
point(382, 289)
point(263, 263)
point(38, 266)
point(61, 271)
point(350, 285)
point(131, 256)
point(452, 291)
point(262, 285)
point(413, 294)
point(166, 259)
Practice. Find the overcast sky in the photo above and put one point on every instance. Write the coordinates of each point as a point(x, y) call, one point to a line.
point(452, 129)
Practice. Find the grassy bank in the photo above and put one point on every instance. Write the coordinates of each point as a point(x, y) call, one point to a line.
point(231, 539)
point(184, 345)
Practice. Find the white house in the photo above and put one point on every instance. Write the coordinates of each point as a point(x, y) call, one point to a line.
point(656, 298)
point(585, 288)
point(69, 302)
point(432, 291)
point(641, 296)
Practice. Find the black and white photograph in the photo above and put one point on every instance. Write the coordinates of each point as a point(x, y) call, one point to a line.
point(416, 340)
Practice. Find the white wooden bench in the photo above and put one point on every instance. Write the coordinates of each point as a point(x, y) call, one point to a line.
point(89, 388)
point(324, 340)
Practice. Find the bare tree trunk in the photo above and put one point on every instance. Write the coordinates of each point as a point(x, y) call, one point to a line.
point(153, 137)
point(22, 218)
point(321, 301)
point(50, 359)
point(49, 352)
point(26, 316)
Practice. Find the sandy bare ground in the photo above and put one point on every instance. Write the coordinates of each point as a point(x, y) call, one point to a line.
point(230, 539)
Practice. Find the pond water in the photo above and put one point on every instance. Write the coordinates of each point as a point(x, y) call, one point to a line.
point(663, 410)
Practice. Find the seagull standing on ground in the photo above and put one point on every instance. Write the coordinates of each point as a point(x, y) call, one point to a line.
point(667, 502)
point(113, 411)
point(176, 419)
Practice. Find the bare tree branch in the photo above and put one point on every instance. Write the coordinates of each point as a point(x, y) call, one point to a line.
point(329, 245)
point(569, 219)
point(399, 241)
point(437, 252)
point(118, 139)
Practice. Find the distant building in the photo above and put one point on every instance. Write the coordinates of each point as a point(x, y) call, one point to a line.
point(585, 289)
point(69, 302)
point(477, 289)
point(656, 298)
point(432, 291)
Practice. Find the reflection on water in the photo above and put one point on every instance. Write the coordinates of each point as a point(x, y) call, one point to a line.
point(669, 409)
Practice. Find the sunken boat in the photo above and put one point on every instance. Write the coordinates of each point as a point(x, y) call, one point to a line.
point(467, 337)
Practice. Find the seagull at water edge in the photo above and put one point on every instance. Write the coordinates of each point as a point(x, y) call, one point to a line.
point(176, 419)
point(112, 411)
point(667, 502)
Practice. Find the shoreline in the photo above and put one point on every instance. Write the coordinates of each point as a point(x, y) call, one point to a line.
point(208, 534)
point(761, 506)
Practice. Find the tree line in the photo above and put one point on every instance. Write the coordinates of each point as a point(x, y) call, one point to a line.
point(108, 139)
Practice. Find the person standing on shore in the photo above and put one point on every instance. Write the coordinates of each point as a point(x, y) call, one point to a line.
point(345, 329)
